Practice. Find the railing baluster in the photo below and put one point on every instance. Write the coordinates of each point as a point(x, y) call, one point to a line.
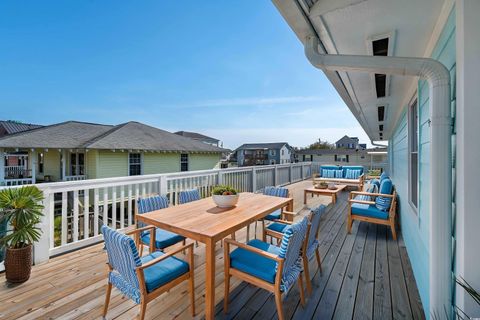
point(75, 221)
point(105, 206)
point(86, 213)
point(64, 218)
point(122, 207)
point(96, 200)
point(114, 207)
point(129, 206)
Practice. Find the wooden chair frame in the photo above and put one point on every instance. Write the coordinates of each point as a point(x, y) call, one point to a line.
point(274, 288)
point(139, 243)
point(279, 235)
point(146, 297)
point(391, 212)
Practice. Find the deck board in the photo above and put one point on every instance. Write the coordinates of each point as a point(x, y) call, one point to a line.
point(366, 275)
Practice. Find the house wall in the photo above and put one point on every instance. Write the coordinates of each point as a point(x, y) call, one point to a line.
point(161, 162)
point(112, 164)
point(91, 163)
point(51, 164)
point(203, 161)
point(415, 222)
point(286, 157)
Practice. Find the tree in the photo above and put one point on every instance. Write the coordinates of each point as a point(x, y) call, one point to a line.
point(320, 145)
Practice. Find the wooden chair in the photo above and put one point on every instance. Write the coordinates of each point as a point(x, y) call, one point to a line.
point(276, 230)
point(143, 279)
point(163, 238)
point(379, 208)
point(269, 267)
point(280, 214)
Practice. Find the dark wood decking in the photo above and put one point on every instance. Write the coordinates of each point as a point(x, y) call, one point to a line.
point(366, 275)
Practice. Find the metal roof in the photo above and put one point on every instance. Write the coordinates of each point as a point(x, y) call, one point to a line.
point(12, 127)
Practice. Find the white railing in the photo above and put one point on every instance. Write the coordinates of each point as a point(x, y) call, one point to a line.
point(16, 171)
point(75, 178)
point(75, 210)
point(16, 182)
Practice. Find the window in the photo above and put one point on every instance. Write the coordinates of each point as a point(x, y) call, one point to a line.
point(184, 162)
point(40, 163)
point(283, 152)
point(134, 164)
point(77, 164)
point(272, 161)
point(272, 152)
point(413, 153)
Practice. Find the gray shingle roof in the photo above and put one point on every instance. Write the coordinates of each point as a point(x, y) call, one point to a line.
point(271, 145)
point(338, 151)
point(12, 127)
point(128, 136)
point(195, 135)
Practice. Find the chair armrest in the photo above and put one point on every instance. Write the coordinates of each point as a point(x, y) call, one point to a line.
point(163, 257)
point(371, 194)
point(262, 253)
point(361, 201)
point(289, 213)
point(274, 234)
point(150, 227)
point(283, 221)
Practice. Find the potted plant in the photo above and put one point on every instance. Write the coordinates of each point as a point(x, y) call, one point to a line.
point(225, 196)
point(21, 208)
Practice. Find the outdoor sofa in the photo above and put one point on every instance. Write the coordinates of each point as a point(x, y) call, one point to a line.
point(348, 175)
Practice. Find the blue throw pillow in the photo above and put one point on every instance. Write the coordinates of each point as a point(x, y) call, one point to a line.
point(328, 173)
point(338, 173)
point(352, 174)
point(383, 203)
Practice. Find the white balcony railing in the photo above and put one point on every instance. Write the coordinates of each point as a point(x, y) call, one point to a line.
point(75, 178)
point(75, 210)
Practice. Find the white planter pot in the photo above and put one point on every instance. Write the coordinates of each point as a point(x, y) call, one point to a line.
point(225, 201)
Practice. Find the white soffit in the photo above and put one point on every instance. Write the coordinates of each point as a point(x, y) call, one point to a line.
point(348, 26)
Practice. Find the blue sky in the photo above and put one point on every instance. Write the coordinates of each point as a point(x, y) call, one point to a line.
point(230, 69)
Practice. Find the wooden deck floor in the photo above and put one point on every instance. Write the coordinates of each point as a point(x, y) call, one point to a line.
point(365, 275)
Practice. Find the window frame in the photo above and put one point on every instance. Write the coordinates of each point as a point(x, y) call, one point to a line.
point(186, 162)
point(77, 167)
point(413, 124)
point(139, 164)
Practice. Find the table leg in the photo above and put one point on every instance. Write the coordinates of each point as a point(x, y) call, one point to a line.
point(290, 205)
point(305, 197)
point(209, 279)
point(334, 198)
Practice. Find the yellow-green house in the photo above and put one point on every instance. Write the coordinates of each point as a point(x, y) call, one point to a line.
point(77, 150)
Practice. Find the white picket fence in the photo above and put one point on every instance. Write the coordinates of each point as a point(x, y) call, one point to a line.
point(75, 210)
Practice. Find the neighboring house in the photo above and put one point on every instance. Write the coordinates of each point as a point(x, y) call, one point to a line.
point(199, 137)
point(77, 150)
point(369, 158)
point(409, 72)
point(347, 142)
point(16, 162)
point(251, 154)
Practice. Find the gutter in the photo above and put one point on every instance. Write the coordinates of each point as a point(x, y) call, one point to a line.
point(438, 78)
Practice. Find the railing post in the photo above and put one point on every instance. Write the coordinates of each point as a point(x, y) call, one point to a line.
point(301, 172)
point(290, 175)
point(275, 173)
point(254, 179)
point(220, 177)
point(41, 249)
point(162, 185)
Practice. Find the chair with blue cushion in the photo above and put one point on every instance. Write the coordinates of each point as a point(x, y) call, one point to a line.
point(280, 214)
point(143, 279)
point(269, 267)
point(163, 238)
point(379, 208)
point(187, 196)
point(277, 229)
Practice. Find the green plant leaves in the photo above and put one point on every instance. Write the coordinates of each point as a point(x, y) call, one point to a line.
point(22, 209)
point(220, 189)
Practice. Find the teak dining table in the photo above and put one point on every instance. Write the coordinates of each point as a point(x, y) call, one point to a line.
point(203, 221)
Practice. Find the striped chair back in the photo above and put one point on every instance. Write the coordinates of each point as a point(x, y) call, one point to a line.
point(292, 242)
point(188, 196)
point(276, 192)
point(123, 258)
point(315, 216)
point(148, 204)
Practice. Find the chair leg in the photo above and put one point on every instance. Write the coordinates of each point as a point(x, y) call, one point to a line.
point(191, 288)
point(248, 232)
point(107, 299)
point(300, 287)
point(394, 232)
point(233, 236)
point(143, 310)
point(307, 276)
point(264, 237)
point(255, 230)
point(319, 261)
point(227, 293)
point(278, 303)
point(349, 223)
point(183, 243)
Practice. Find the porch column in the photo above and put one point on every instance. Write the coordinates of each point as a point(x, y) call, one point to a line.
point(34, 165)
point(64, 164)
point(2, 166)
point(467, 152)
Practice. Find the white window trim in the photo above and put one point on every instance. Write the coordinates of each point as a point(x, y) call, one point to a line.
point(410, 128)
point(141, 162)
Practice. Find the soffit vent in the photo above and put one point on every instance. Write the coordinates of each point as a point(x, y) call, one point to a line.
point(381, 85)
point(380, 47)
point(381, 113)
point(380, 127)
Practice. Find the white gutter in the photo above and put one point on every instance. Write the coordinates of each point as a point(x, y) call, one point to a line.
point(438, 79)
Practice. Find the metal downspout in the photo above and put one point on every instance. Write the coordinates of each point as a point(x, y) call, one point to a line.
point(438, 77)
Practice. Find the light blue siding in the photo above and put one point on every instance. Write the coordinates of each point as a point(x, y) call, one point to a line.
point(415, 223)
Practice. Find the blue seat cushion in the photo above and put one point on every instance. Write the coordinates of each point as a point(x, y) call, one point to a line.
point(254, 264)
point(367, 210)
point(277, 227)
point(164, 271)
point(274, 215)
point(163, 238)
point(345, 168)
